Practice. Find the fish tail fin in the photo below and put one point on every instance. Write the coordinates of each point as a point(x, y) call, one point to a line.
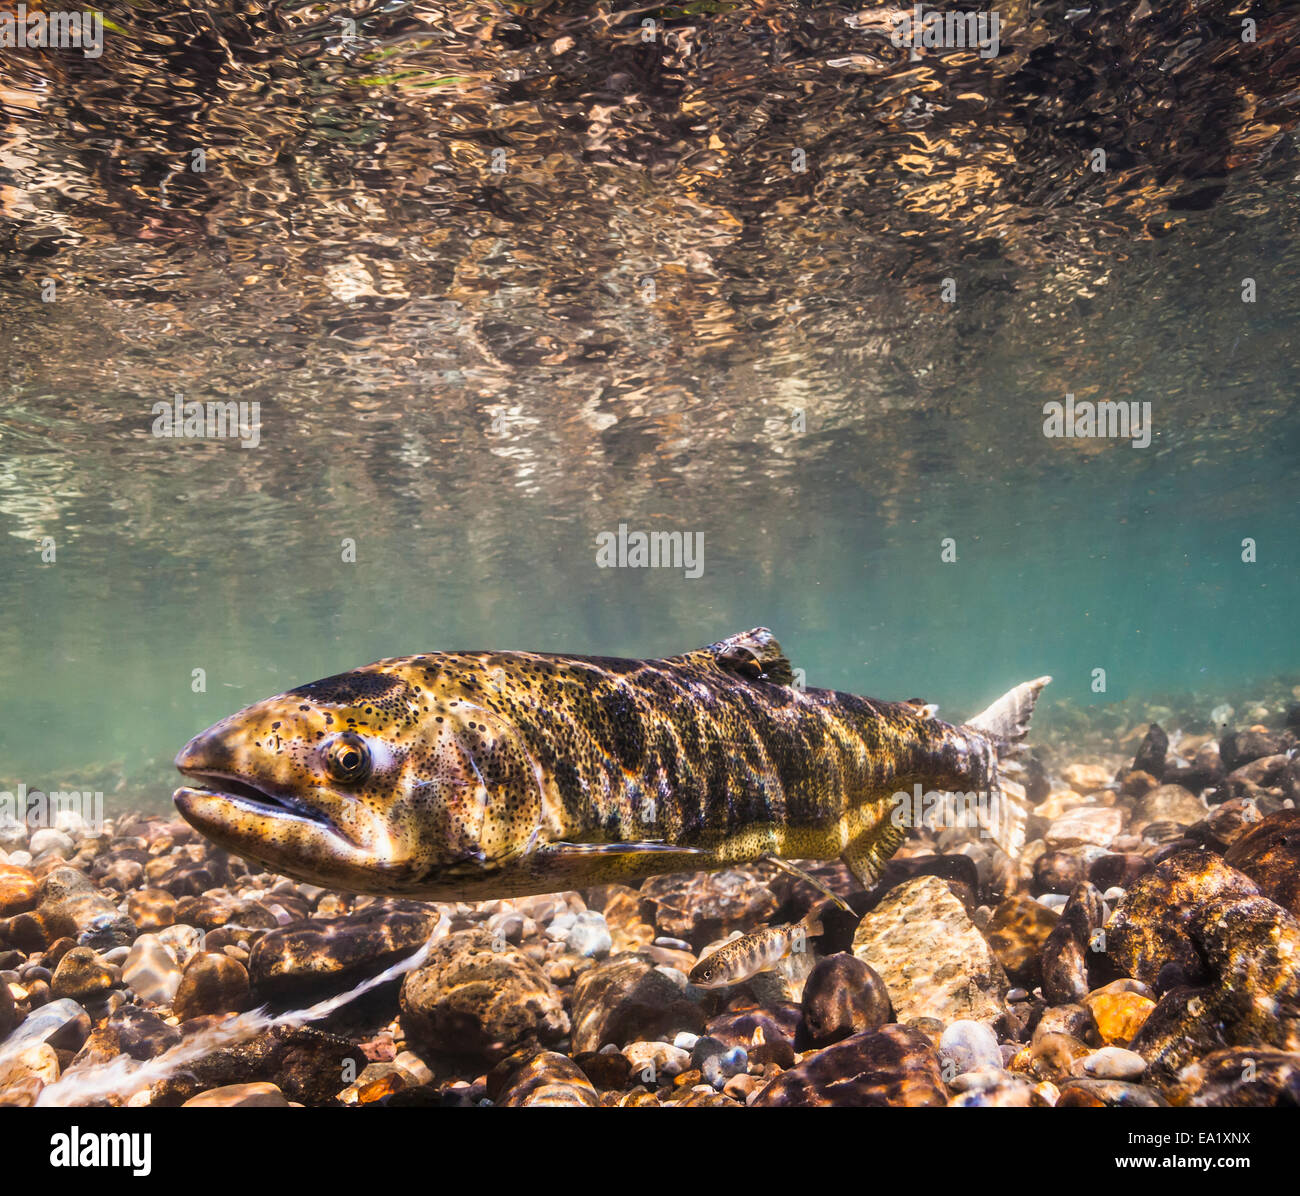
point(1004, 726)
point(812, 921)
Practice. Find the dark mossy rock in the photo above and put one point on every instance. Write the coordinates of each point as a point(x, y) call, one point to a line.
point(1269, 853)
point(1152, 925)
point(1204, 771)
point(1269, 781)
point(1226, 823)
point(130, 1030)
point(327, 955)
point(1151, 755)
point(1118, 869)
point(605, 1069)
point(842, 996)
point(893, 1066)
point(307, 1064)
point(81, 975)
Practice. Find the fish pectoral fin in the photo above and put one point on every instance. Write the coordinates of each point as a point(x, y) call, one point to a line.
point(754, 655)
point(648, 847)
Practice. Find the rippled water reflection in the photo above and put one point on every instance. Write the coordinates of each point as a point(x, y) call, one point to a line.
point(504, 275)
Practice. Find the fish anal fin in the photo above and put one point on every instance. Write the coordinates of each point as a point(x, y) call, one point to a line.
point(866, 858)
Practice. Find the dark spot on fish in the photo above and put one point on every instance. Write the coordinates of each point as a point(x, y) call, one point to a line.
point(346, 689)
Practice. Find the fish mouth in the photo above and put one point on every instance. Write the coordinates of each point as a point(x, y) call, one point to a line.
point(246, 797)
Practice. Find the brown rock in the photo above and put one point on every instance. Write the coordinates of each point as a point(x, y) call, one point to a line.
point(1017, 932)
point(212, 982)
point(626, 1000)
point(894, 1066)
point(841, 997)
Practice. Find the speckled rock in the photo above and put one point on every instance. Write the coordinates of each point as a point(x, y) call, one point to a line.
point(1251, 996)
point(966, 1046)
point(547, 1080)
point(700, 907)
point(1017, 932)
point(1113, 1063)
point(843, 996)
point(995, 1088)
point(1151, 926)
point(1059, 871)
point(331, 954)
point(1269, 854)
point(470, 999)
point(893, 1066)
point(212, 982)
point(81, 975)
point(933, 960)
point(653, 1061)
point(627, 1000)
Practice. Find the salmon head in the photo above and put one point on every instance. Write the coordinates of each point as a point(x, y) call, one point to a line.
point(385, 780)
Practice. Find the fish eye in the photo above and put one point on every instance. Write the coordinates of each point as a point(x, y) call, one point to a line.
point(348, 758)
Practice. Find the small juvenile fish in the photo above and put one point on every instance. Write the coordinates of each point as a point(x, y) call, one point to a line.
point(738, 960)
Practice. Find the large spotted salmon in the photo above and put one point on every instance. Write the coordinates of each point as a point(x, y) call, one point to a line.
point(473, 775)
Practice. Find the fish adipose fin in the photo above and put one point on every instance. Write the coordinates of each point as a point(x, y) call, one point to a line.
point(754, 655)
point(1005, 725)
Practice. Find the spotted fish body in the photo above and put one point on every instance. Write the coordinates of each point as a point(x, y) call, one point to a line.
point(473, 775)
point(742, 958)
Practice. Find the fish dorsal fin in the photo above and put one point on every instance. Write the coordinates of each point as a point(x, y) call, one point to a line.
point(754, 655)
